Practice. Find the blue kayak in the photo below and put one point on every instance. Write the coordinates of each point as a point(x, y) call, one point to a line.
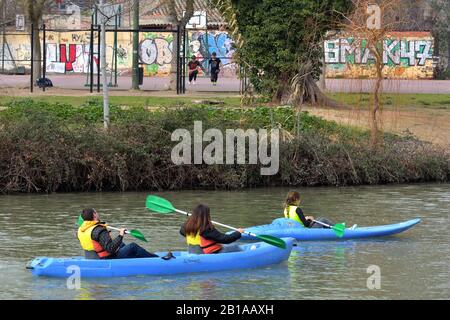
point(283, 227)
point(252, 255)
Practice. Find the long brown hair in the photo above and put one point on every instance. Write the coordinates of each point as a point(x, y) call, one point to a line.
point(199, 221)
point(291, 198)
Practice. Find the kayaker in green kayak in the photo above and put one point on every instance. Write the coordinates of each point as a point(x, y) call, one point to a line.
point(293, 211)
point(203, 238)
point(96, 241)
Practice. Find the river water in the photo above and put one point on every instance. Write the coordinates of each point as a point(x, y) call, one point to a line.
point(413, 265)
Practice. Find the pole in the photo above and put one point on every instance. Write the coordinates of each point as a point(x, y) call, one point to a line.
point(99, 63)
point(4, 36)
point(115, 51)
point(135, 61)
point(184, 61)
point(91, 61)
point(178, 59)
point(103, 69)
point(32, 58)
point(44, 58)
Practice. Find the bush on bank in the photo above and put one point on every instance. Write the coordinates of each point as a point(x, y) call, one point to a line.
point(56, 147)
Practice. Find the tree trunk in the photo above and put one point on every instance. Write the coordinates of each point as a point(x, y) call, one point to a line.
point(189, 12)
point(135, 67)
point(374, 112)
point(174, 63)
point(37, 55)
point(375, 134)
point(103, 70)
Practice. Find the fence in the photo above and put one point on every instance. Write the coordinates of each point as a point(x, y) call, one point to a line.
point(76, 52)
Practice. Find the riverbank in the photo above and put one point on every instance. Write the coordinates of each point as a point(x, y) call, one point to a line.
point(59, 147)
point(426, 116)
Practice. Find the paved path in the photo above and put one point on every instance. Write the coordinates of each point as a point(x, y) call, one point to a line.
point(77, 82)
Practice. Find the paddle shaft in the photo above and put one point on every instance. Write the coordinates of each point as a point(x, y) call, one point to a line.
point(324, 224)
point(217, 223)
point(117, 229)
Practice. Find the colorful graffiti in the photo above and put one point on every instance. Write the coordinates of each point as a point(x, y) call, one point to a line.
point(202, 44)
point(155, 52)
point(72, 57)
point(68, 52)
point(407, 55)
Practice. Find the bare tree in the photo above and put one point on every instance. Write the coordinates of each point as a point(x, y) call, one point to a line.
point(371, 22)
point(34, 10)
point(181, 23)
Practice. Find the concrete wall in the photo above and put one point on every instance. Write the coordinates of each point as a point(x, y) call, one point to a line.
point(407, 55)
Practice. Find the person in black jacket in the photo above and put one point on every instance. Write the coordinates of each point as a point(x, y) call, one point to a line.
point(97, 243)
point(202, 237)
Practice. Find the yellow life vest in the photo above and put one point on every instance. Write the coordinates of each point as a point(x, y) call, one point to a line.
point(290, 213)
point(193, 240)
point(207, 246)
point(85, 238)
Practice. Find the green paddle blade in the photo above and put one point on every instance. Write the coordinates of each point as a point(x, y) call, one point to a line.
point(339, 229)
point(277, 242)
point(159, 205)
point(138, 235)
point(80, 220)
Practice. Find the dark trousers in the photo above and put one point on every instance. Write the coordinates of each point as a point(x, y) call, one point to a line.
point(214, 75)
point(133, 250)
point(193, 75)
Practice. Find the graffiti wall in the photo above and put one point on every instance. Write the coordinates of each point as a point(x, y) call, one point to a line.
point(202, 44)
point(406, 55)
point(68, 52)
point(156, 53)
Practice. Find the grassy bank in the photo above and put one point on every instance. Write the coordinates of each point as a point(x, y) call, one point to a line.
point(436, 101)
point(390, 100)
point(58, 147)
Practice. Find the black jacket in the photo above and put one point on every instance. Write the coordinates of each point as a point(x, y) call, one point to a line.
point(217, 236)
point(300, 214)
point(102, 236)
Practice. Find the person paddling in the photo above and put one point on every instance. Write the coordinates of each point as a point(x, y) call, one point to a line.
point(293, 211)
point(203, 238)
point(96, 241)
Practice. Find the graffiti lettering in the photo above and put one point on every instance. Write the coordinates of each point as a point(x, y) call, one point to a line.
point(414, 52)
point(156, 50)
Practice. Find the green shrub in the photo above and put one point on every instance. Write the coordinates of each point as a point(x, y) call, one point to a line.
point(57, 147)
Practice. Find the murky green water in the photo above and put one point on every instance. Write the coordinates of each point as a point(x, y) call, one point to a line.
point(414, 265)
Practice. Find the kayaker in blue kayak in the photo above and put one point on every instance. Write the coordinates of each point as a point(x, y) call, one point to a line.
point(203, 238)
point(96, 241)
point(293, 211)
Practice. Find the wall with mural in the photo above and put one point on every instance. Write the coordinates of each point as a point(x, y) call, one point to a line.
point(406, 55)
point(68, 52)
point(202, 44)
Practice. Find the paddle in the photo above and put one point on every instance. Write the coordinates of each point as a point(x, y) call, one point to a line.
point(160, 205)
point(135, 233)
point(338, 228)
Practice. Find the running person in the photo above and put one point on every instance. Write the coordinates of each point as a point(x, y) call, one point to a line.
point(214, 65)
point(193, 66)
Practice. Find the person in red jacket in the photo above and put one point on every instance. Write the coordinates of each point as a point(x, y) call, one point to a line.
point(203, 238)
